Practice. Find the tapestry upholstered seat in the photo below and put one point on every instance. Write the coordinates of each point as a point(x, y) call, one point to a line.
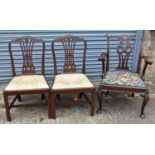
point(123, 78)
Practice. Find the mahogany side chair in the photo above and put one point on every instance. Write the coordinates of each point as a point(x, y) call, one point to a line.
point(122, 79)
point(27, 81)
point(69, 81)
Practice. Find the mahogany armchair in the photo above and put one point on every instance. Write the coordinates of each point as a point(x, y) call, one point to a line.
point(122, 79)
point(69, 79)
point(27, 82)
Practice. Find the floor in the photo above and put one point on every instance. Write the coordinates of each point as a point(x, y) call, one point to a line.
point(120, 108)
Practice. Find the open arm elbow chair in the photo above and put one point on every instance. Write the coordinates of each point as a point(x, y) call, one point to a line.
point(122, 79)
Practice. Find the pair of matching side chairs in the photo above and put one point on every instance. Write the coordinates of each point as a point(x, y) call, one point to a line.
point(29, 81)
point(70, 81)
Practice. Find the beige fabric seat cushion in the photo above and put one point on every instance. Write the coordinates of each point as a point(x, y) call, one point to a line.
point(27, 82)
point(71, 81)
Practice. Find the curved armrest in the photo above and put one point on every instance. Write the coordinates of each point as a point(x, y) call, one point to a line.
point(103, 56)
point(147, 61)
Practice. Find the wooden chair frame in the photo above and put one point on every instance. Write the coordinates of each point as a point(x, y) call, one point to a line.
point(123, 64)
point(69, 43)
point(26, 44)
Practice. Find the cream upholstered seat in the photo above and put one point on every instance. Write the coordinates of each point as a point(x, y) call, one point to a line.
point(27, 82)
point(71, 81)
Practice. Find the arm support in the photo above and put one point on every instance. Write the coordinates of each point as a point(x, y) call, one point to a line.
point(147, 61)
point(103, 58)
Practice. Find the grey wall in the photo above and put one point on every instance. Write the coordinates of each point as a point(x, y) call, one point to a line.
point(96, 43)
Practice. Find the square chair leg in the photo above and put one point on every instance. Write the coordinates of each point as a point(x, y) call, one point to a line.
point(7, 108)
point(93, 94)
point(51, 106)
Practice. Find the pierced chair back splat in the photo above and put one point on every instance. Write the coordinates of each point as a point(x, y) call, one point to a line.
point(28, 82)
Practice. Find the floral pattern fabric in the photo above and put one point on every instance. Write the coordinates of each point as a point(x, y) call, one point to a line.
point(123, 77)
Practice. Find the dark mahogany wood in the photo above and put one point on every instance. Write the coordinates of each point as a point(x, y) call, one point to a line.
point(103, 58)
point(26, 45)
point(147, 61)
point(69, 43)
point(124, 49)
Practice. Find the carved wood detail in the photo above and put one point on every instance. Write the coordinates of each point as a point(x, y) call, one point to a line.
point(26, 45)
point(124, 50)
point(69, 43)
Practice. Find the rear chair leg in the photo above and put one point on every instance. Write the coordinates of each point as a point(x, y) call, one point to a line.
point(107, 92)
point(132, 95)
point(42, 97)
point(58, 97)
point(80, 95)
point(145, 102)
point(93, 93)
point(6, 102)
point(19, 98)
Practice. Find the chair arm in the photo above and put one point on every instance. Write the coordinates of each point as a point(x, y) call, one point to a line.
point(103, 56)
point(147, 61)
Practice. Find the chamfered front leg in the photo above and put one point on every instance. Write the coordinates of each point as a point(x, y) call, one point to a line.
point(53, 102)
point(145, 102)
point(6, 102)
point(51, 105)
point(99, 98)
point(93, 94)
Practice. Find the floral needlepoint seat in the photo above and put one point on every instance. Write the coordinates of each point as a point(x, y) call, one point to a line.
point(123, 78)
